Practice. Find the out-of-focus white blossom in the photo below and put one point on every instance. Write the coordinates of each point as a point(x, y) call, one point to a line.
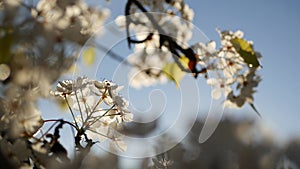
point(220, 87)
point(17, 151)
point(149, 72)
point(63, 88)
point(150, 57)
point(20, 118)
point(75, 15)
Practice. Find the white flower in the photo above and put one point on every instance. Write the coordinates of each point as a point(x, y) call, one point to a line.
point(81, 82)
point(230, 66)
point(102, 110)
point(22, 118)
point(238, 34)
point(205, 51)
point(17, 151)
point(102, 129)
point(73, 18)
point(220, 87)
point(246, 85)
point(150, 57)
point(111, 97)
point(63, 88)
point(149, 71)
point(83, 101)
point(108, 91)
point(127, 116)
point(68, 87)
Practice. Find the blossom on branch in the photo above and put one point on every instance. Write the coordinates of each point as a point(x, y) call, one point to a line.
point(96, 106)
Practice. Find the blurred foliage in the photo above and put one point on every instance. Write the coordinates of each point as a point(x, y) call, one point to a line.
point(174, 72)
point(89, 56)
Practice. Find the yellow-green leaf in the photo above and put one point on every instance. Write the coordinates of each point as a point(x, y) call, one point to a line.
point(89, 56)
point(173, 71)
point(62, 104)
point(246, 51)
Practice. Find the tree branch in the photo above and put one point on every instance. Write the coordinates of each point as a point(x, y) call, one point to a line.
point(171, 44)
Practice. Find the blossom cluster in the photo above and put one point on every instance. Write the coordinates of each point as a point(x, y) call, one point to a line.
point(74, 20)
point(97, 108)
point(150, 56)
point(233, 74)
point(98, 111)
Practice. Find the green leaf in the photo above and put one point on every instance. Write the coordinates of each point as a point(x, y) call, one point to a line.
point(89, 56)
point(173, 71)
point(246, 51)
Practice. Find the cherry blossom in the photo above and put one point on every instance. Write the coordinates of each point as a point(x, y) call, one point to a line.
point(99, 108)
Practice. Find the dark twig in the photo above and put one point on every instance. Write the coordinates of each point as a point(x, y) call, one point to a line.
point(164, 40)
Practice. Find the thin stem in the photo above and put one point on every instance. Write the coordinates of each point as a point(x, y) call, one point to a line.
point(105, 110)
point(101, 134)
point(100, 100)
point(99, 117)
point(81, 115)
point(71, 111)
point(87, 107)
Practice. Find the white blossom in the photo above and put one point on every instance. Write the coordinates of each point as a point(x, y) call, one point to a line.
point(149, 71)
point(99, 108)
point(150, 57)
point(74, 18)
point(17, 151)
point(63, 88)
